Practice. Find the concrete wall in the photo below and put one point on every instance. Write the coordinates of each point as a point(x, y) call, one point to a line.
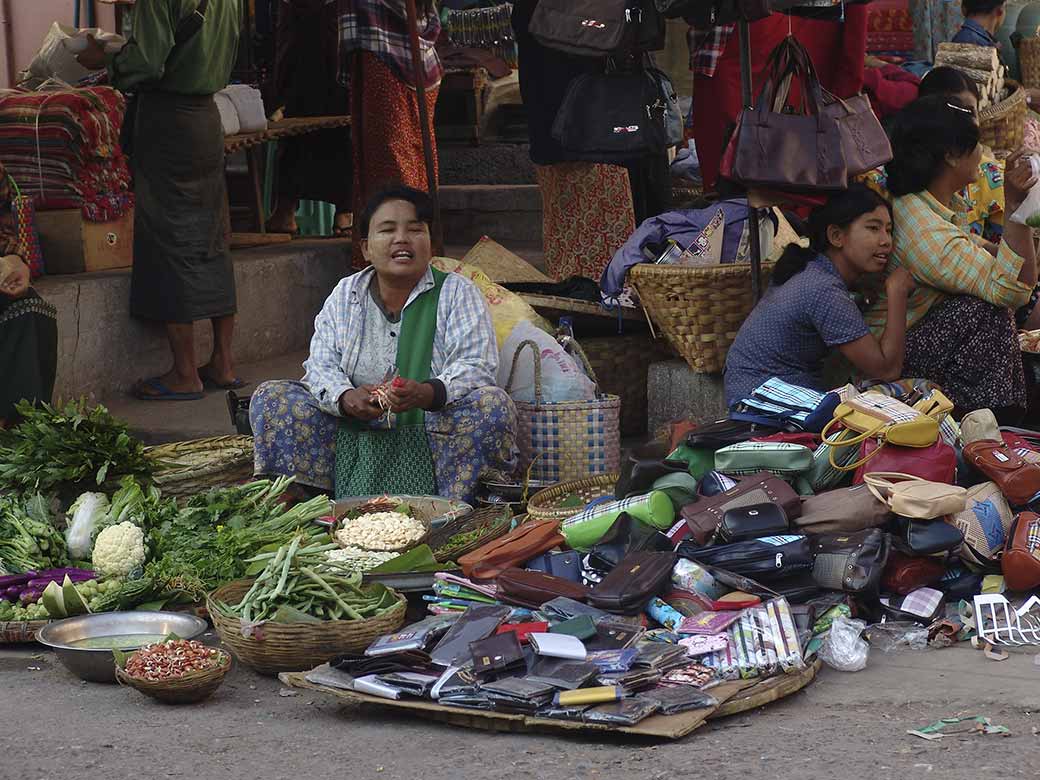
point(102, 350)
point(28, 22)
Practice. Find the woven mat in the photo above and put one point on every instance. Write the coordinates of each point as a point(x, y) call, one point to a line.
point(283, 128)
point(501, 265)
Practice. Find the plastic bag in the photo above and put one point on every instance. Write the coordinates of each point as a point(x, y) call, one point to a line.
point(891, 636)
point(57, 55)
point(1029, 212)
point(844, 649)
point(563, 378)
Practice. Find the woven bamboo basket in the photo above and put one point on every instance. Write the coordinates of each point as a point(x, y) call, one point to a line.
point(622, 364)
point(556, 503)
point(1029, 61)
point(699, 309)
point(291, 647)
point(17, 632)
point(489, 524)
point(186, 689)
point(190, 467)
point(1002, 126)
point(568, 439)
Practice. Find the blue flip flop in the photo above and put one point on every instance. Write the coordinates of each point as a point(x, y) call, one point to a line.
point(212, 384)
point(163, 393)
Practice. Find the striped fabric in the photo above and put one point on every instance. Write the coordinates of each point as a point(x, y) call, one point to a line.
point(777, 398)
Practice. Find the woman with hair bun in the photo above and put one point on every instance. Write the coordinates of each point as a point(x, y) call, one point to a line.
point(808, 308)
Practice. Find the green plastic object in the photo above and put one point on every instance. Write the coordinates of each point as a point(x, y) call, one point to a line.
point(699, 461)
point(681, 488)
point(586, 528)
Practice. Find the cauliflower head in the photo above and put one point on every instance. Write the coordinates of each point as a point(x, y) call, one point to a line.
point(118, 550)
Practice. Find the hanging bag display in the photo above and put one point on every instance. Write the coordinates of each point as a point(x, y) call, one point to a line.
point(789, 151)
point(598, 28)
point(566, 440)
point(613, 115)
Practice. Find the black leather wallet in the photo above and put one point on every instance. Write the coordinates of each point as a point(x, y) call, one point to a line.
point(566, 565)
point(497, 654)
point(752, 522)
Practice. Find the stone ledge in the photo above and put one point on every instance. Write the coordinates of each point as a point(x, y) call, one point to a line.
point(102, 350)
point(674, 390)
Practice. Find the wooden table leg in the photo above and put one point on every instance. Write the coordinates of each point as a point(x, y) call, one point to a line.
point(253, 163)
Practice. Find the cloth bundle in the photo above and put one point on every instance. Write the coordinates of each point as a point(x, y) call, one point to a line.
point(62, 148)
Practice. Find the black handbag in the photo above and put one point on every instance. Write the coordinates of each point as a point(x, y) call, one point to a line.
point(616, 114)
point(752, 522)
point(643, 468)
point(765, 560)
point(625, 536)
point(598, 28)
point(726, 432)
point(852, 563)
point(924, 537)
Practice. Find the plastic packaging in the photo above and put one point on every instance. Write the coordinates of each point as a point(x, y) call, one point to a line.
point(1029, 212)
point(57, 55)
point(562, 377)
point(890, 637)
point(844, 648)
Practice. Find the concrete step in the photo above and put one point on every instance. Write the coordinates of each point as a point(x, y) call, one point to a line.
point(489, 163)
point(508, 213)
point(103, 351)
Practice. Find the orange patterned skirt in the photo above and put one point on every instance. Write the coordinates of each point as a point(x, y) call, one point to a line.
point(587, 215)
point(387, 135)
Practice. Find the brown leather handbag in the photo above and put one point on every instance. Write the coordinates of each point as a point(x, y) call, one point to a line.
point(704, 517)
point(904, 574)
point(533, 588)
point(1018, 480)
point(845, 510)
point(1021, 561)
point(521, 544)
point(633, 582)
point(776, 148)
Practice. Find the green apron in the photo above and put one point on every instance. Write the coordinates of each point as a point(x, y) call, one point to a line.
point(395, 460)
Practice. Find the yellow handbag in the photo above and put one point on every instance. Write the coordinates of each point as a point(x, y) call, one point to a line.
point(935, 405)
point(877, 416)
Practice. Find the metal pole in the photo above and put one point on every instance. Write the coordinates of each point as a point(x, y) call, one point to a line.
point(744, 40)
point(424, 122)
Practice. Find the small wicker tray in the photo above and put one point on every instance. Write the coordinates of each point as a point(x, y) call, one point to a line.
point(17, 632)
point(283, 647)
point(546, 504)
point(417, 513)
point(492, 522)
point(186, 689)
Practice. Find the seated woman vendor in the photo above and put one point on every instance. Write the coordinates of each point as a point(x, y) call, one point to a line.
point(28, 324)
point(961, 334)
point(808, 308)
point(399, 390)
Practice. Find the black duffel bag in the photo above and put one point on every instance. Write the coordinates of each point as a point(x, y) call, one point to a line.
point(768, 559)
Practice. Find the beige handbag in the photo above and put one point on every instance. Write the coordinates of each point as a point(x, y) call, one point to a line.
point(916, 498)
point(979, 425)
point(842, 511)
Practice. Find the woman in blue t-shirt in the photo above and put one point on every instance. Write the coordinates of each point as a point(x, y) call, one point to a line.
point(808, 308)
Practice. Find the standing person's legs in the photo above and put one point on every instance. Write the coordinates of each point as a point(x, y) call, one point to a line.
point(221, 366)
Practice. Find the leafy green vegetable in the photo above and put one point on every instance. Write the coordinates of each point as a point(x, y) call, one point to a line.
point(29, 538)
point(72, 447)
point(417, 559)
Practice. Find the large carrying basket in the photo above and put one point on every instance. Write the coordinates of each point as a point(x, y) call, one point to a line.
point(566, 440)
point(1002, 126)
point(699, 309)
point(622, 364)
point(1029, 61)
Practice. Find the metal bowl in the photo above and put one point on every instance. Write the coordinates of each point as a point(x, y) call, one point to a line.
point(97, 665)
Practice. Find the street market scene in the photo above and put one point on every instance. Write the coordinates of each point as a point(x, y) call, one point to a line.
point(585, 388)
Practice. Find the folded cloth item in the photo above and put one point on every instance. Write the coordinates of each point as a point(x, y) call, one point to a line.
point(249, 105)
point(228, 114)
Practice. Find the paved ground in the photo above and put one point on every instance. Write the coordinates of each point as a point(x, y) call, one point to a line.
point(842, 726)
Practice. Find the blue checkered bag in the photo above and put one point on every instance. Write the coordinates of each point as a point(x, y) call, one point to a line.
point(779, 403)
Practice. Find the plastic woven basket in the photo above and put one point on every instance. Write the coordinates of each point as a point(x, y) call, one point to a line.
point(699, 309)
point(568, 498)
point(272, 648)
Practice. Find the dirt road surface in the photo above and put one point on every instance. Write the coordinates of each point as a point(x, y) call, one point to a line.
point(842, 726)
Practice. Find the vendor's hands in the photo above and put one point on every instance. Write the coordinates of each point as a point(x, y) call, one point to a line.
point(14, 276)
point(93, 57)
point(899, 283)
point(360, 404)
point(407, 394)
point(1018, 180)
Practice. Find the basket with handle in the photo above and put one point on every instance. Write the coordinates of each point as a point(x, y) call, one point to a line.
point(23, 210)
point(699, 309)
point(568, 439)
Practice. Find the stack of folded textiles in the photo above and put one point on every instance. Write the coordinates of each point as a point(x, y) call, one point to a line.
point(63, 149)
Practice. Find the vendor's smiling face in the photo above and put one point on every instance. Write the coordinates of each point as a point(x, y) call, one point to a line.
point(398, 243)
